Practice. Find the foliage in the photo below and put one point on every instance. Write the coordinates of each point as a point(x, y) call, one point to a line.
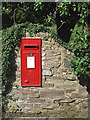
point(79, 8)
point(80, 47)
point(20, 12)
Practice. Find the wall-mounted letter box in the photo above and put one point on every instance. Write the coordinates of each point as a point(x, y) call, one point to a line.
point(30, 62)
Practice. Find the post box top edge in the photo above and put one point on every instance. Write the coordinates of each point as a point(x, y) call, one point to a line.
point(31, 38)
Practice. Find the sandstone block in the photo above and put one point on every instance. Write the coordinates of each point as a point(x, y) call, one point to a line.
point(53, 64)
point(45, 43)
point(43, 54)
point(48, 58)
point(47, 72)
point(71, 77)
point(52, 93)
point(65, 86)
point(27, 106)
point(53, 53)
point(70, 90)
point(30, 93)
point(66, 62)
point(48, 84)
point(35, 100)
point(47, 107)
point(56, 80)
point(75, 95)
point(46, 48)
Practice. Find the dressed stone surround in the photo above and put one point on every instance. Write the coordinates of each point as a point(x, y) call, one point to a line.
point(59, 85)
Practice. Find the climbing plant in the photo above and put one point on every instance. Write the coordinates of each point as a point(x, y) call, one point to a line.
point(80, 47)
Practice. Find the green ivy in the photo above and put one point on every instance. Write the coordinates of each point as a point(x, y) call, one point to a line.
point(80, 47)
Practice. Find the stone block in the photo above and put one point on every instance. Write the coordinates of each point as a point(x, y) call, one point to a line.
point(84, 94)
point(66, 62)
point(48, 107)
point(53, 64)
point(70, 90)
point(71, 77)
point(52, 93)
point(76, 95)
point(18, 53)
point(48, 58)
point(56, 80)
point(27, 106)
point(18, 60)
point(53, 53)
point(61, 74)
point(43, 63)
point(46, 48)
point(47, 84)
point(47, 72)
point(30, 93)
point(35, 100)
point(45, 43)
point(65, 86)
point(66, 100)
point(43, 54)
point(18, 74)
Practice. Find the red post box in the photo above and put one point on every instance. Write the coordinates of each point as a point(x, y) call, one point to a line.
point(30, 62)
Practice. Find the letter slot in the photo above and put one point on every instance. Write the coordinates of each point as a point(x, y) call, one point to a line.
point(31, 47)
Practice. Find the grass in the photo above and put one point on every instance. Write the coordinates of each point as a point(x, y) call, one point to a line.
point(38, 112)
point(71, 115)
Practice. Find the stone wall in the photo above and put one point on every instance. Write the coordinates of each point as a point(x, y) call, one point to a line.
point(59, 85)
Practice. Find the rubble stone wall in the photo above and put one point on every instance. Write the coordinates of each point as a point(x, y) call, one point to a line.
point(59, 84)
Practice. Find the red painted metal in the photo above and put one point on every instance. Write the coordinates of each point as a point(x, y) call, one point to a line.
point(31, 62)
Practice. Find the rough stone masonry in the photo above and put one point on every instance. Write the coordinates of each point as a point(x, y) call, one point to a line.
point(59, 85)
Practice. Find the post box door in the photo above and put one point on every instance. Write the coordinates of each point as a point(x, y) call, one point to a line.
point(31, 62)
point(30, 69)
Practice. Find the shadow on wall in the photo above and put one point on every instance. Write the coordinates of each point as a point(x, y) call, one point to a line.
point(85, 82)
point(12, 76)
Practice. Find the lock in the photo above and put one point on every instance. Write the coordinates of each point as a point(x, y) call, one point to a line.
point(26, 81)
point(30, 54)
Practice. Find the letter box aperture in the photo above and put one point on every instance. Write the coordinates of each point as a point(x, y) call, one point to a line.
point(30, 62)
